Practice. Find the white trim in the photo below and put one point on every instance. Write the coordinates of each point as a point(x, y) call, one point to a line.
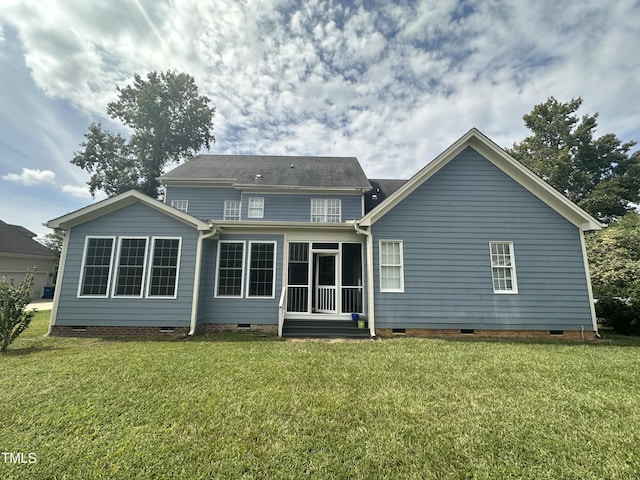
point(261, 207)
point(592, 306)
point(195, 294)
point(152, 246)
point(117, 265)
point(380, 265)
point(248, 279)
point(83, 265)
point(512, 267)
point(244, 252)
point(59, 280)
point(182, 205)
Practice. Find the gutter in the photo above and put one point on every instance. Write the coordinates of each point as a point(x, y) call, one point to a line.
point(196, 280)
point(370, 288)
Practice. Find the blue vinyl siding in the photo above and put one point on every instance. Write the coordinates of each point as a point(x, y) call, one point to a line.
point(133, 220)
point(252, 310)
point(446, 225)
point(206, 203)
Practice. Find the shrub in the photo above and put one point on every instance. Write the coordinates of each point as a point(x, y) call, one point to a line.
point(14, 319)
point(622, 316)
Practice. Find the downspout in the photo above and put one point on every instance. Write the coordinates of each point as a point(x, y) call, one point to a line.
point(59, 277)
point(370, 296)
point(196, 280)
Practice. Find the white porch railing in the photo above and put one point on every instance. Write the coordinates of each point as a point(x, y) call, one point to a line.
point(352, 300)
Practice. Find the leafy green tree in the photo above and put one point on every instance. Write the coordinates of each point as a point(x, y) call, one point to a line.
point(14, 319)
point(169, 121)
point(599, 174)
point(53, 241)
point(614, 261)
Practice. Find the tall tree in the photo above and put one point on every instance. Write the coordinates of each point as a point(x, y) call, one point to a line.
point(170, 122)
point(598, 174)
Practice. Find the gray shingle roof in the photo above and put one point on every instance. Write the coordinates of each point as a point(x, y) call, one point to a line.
point(18, 240)
point(380, 190)
point(272, 171)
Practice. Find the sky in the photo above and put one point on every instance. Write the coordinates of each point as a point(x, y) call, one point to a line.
point(393, 83)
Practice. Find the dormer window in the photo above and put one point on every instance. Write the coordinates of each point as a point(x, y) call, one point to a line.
point(326, 210)
point(256, 207)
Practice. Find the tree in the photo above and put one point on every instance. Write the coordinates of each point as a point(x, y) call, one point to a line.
point(614, 261)
point(170, 123)
point(14, 319)
point(53, 241)
point(598, 174)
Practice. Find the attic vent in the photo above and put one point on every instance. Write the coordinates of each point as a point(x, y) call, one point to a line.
point(258, 176)
point(292, 165)
point(374, 196)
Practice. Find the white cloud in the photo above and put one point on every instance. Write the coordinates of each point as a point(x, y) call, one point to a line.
point(30, 177)
point(80, 191)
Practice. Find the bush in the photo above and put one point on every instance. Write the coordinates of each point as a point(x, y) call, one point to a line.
point(622, 316)
point(14, 319)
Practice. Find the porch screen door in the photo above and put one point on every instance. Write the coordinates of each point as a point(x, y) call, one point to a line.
point(325, 283)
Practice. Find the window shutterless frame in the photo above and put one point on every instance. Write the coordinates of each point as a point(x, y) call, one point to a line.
point(96, 268)
point(164, 268)
point(261, 269)
point(255, 208)
point(503, 268)
point(130, 267)
point(182, 205)
point(231, 210)
point(326, 210)
point(391, 265)
point(229, 261)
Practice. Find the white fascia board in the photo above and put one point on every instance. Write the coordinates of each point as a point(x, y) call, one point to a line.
point(120, 201)
point(198, 182)
point(296, 189)
point(285, 226)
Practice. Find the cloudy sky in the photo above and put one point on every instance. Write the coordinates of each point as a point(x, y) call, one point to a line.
point(393, 83)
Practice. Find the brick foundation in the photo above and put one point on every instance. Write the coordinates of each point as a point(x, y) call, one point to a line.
point(119, 331)
point(233, 327)
point(524, 334)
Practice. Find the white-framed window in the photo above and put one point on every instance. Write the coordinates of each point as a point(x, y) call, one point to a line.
point(231, 210)
point(326, 210)
point(130, 267)
point(391, 266)
point(97, 259)
point(256, 207)
point(182, 205)
point(262, 272)
point(230, 271)
point(503, 267)
point(164, 267)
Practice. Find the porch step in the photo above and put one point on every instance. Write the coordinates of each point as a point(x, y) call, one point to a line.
point(323, 329)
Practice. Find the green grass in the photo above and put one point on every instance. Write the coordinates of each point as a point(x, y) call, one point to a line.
point(250, 406)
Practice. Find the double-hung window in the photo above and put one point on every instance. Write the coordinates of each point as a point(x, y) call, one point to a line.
point(232, 210)
point(230, 269)
point(132, 258)
point(503, 267)
point(256, 207)
point(182, 205)
point(261, 269)
point(165, 262)
point(96, 267)
point(326, 210)
point(391, 266)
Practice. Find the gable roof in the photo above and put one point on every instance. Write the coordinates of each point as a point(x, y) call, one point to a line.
point(501, 159)
point(17, 240)
point(119, 201)
point(258, 171)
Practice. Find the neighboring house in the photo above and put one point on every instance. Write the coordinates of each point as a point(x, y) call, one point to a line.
point(19, 253)
point(474, 243)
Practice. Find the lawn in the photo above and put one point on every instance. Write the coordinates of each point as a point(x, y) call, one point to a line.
point(251, 406)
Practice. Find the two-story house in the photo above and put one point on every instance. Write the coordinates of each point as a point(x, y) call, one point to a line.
point(474, 243)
